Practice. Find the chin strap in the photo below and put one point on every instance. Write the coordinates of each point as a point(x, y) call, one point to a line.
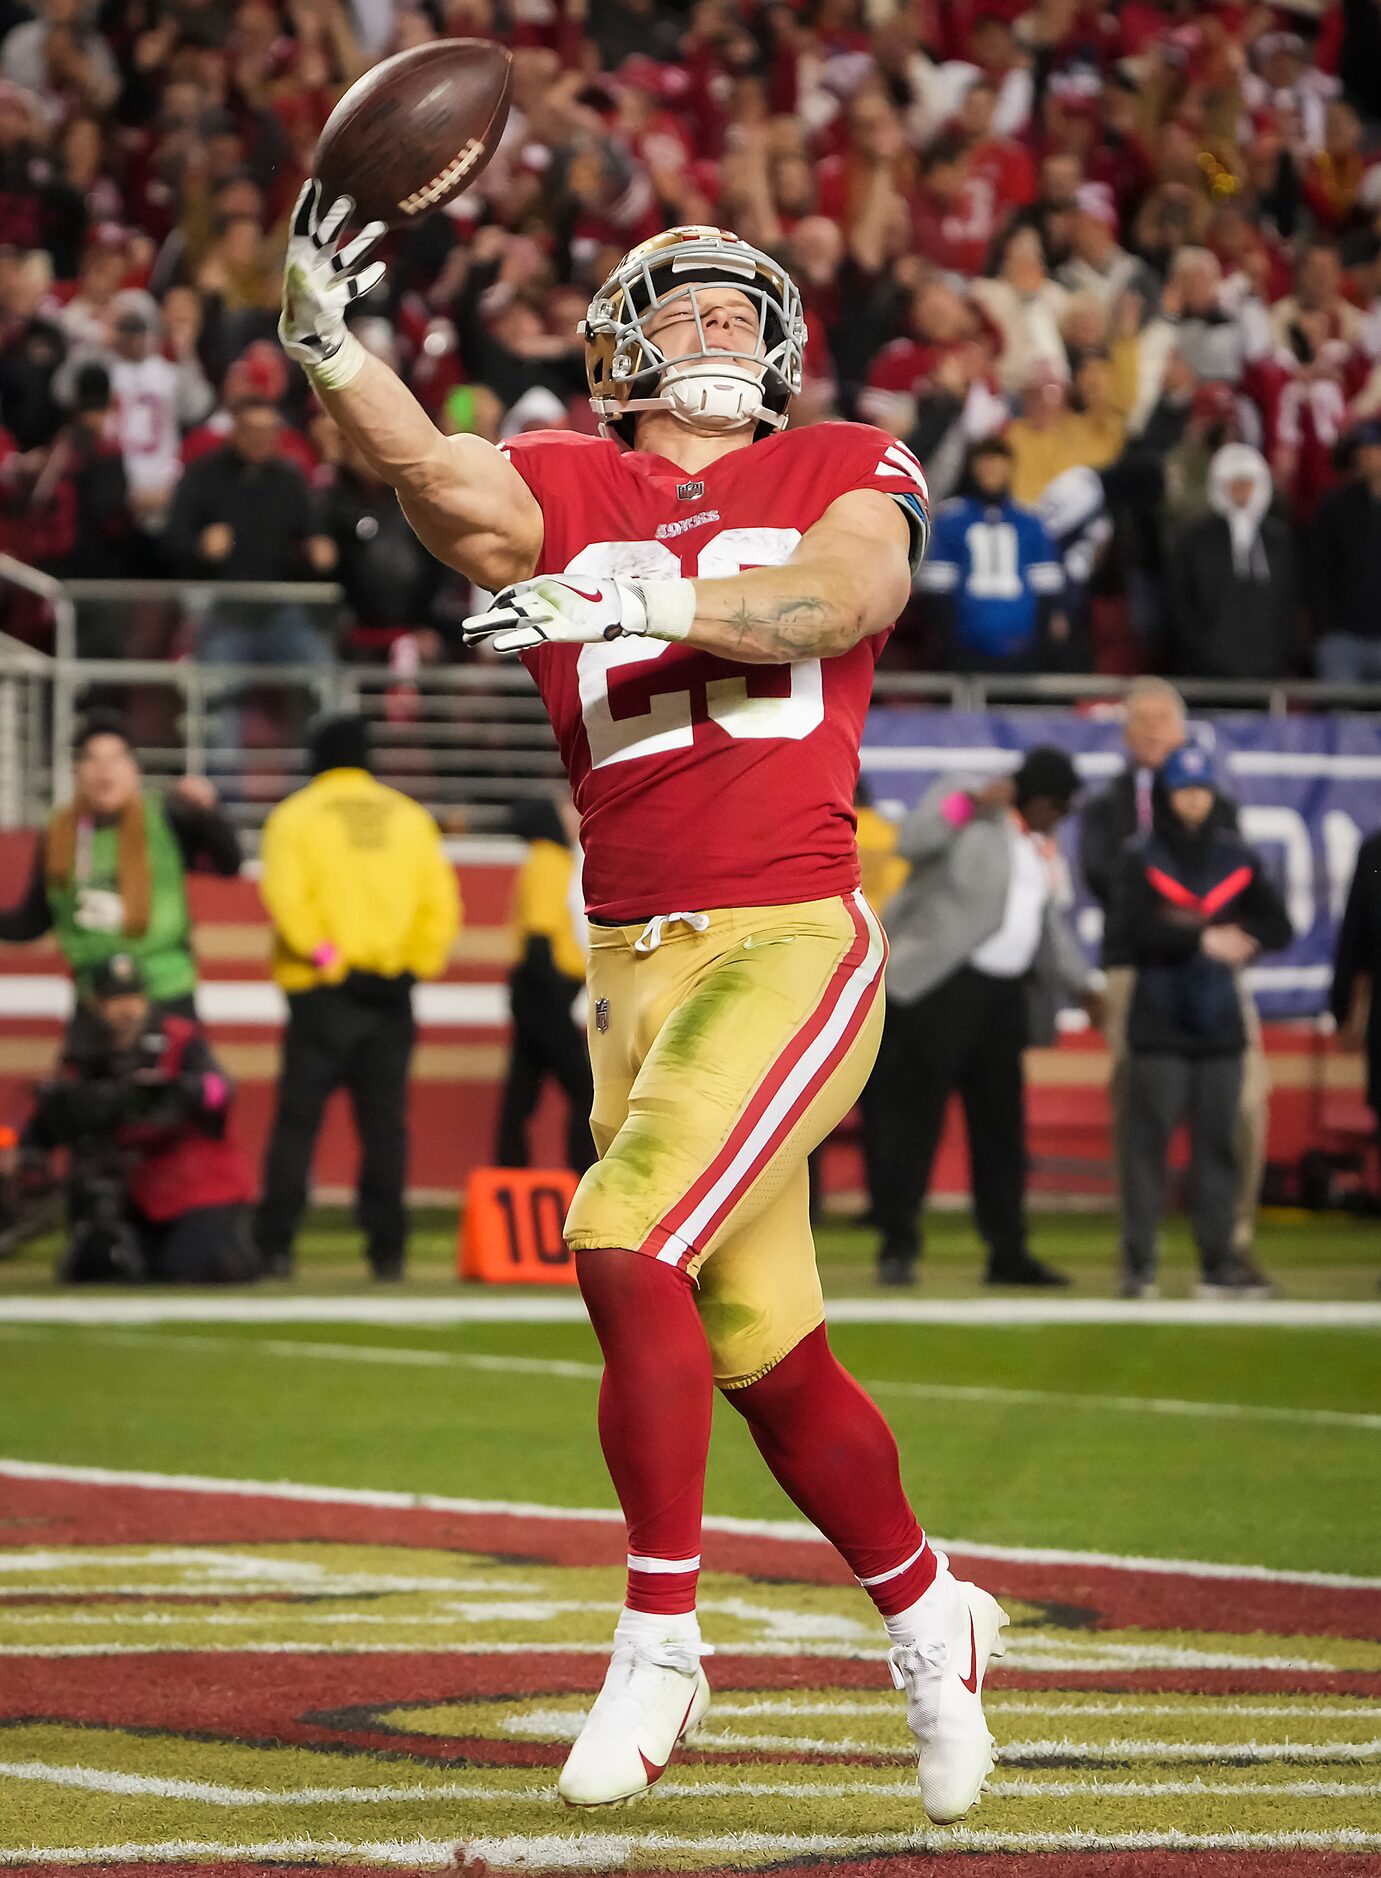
point(710, 397)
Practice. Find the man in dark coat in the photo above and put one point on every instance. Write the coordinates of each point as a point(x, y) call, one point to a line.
point(1355, 1000)
point(1345, 569)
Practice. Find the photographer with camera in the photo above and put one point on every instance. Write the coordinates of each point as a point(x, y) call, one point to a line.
point(155, 1188)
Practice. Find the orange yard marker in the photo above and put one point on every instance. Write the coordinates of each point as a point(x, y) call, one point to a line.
point(512, 1229)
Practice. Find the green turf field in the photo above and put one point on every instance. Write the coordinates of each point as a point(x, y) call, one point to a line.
point(244, 1681)
point(1069, 1436)
point(1313, 1255)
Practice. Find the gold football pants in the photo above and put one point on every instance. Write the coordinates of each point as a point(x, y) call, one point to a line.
point(721, 1057)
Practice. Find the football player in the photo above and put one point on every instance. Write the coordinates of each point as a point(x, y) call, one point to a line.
point(701, 596)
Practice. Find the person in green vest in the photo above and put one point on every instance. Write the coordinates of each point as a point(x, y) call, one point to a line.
point(109, 873)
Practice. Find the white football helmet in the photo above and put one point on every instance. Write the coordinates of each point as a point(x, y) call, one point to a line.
point(708, 389)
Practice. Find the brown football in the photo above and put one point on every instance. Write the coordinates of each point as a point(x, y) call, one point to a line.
point(415, 130)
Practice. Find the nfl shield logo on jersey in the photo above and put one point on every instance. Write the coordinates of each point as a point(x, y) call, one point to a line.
point(601, 1015)
point(689, 492)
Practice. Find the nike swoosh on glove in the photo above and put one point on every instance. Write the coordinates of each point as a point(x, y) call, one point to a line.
point(319, 284)
point(552, 611)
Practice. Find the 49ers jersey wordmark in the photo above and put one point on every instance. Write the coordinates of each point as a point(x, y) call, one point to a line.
point(702, 782)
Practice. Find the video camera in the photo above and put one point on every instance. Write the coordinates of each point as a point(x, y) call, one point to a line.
point(85, 1115)
point(112, 1084)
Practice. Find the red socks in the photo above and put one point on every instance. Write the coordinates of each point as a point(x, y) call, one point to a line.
point(829, 1448)
point(822, 1436)
point(655, 1404)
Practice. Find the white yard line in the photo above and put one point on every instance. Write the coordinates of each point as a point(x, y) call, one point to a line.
point(218, 1793)
point(439, 1852)
point(790, 1529)
point(398, 1356)
point(1093, 1790)
point(1230, 1753)
point(776, 1652)
point(610, 1851)
point(566, 1308)
point(411, 1358)
point(1133, 1404)
point(999, 1703)
point(1064, 1751)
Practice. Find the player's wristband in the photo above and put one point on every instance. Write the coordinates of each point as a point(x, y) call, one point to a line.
point(335, 373)
point(670, 606)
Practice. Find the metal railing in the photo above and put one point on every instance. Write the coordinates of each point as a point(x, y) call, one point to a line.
point(471, 741)
point(25, 707)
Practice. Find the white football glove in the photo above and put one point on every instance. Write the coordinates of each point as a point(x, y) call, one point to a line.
point(566, 610)
point(319, 284)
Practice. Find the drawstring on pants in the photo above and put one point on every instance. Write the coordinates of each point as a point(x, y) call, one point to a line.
point(651, 936)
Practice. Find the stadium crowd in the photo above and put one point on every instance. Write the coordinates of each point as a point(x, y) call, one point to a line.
point(1140, 247)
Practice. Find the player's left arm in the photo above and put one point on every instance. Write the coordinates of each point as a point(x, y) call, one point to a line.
point(849, 578)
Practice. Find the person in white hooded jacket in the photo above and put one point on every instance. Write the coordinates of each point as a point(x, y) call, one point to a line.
point(1233, 600)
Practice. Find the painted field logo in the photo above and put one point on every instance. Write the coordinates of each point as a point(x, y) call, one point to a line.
point(186, 1675)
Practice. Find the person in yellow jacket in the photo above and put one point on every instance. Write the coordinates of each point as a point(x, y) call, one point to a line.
point(364, 903)
point(548, 977)
point(882, 869)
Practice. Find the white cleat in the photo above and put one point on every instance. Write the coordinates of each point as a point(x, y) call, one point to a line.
point(943, 1680)
point(654, 1696)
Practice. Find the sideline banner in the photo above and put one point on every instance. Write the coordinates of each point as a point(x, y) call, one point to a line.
point(1309, 788)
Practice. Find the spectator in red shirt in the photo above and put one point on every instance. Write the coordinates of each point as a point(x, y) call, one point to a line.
point(952, 222)
point(258, 377)
point(1000, 161)
point(1342, 186)
point(69, 499)
point(876, 142)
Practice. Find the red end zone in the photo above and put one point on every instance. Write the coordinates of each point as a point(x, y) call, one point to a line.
point(367, 1710)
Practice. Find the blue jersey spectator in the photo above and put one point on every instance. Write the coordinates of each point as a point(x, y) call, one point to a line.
point(993, 571)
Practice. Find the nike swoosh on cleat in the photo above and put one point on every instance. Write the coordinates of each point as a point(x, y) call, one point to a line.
point(650, 1768)
point(970, 1681)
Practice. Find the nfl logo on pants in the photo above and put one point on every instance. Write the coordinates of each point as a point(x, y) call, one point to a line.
point(601, 1015)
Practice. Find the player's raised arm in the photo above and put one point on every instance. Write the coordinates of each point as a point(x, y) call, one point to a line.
point(849, 577)
point(467, 504)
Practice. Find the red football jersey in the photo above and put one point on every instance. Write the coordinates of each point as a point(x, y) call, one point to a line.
point(702, 782)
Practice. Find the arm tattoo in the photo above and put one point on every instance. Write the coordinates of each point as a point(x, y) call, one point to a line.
point(798, 626)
